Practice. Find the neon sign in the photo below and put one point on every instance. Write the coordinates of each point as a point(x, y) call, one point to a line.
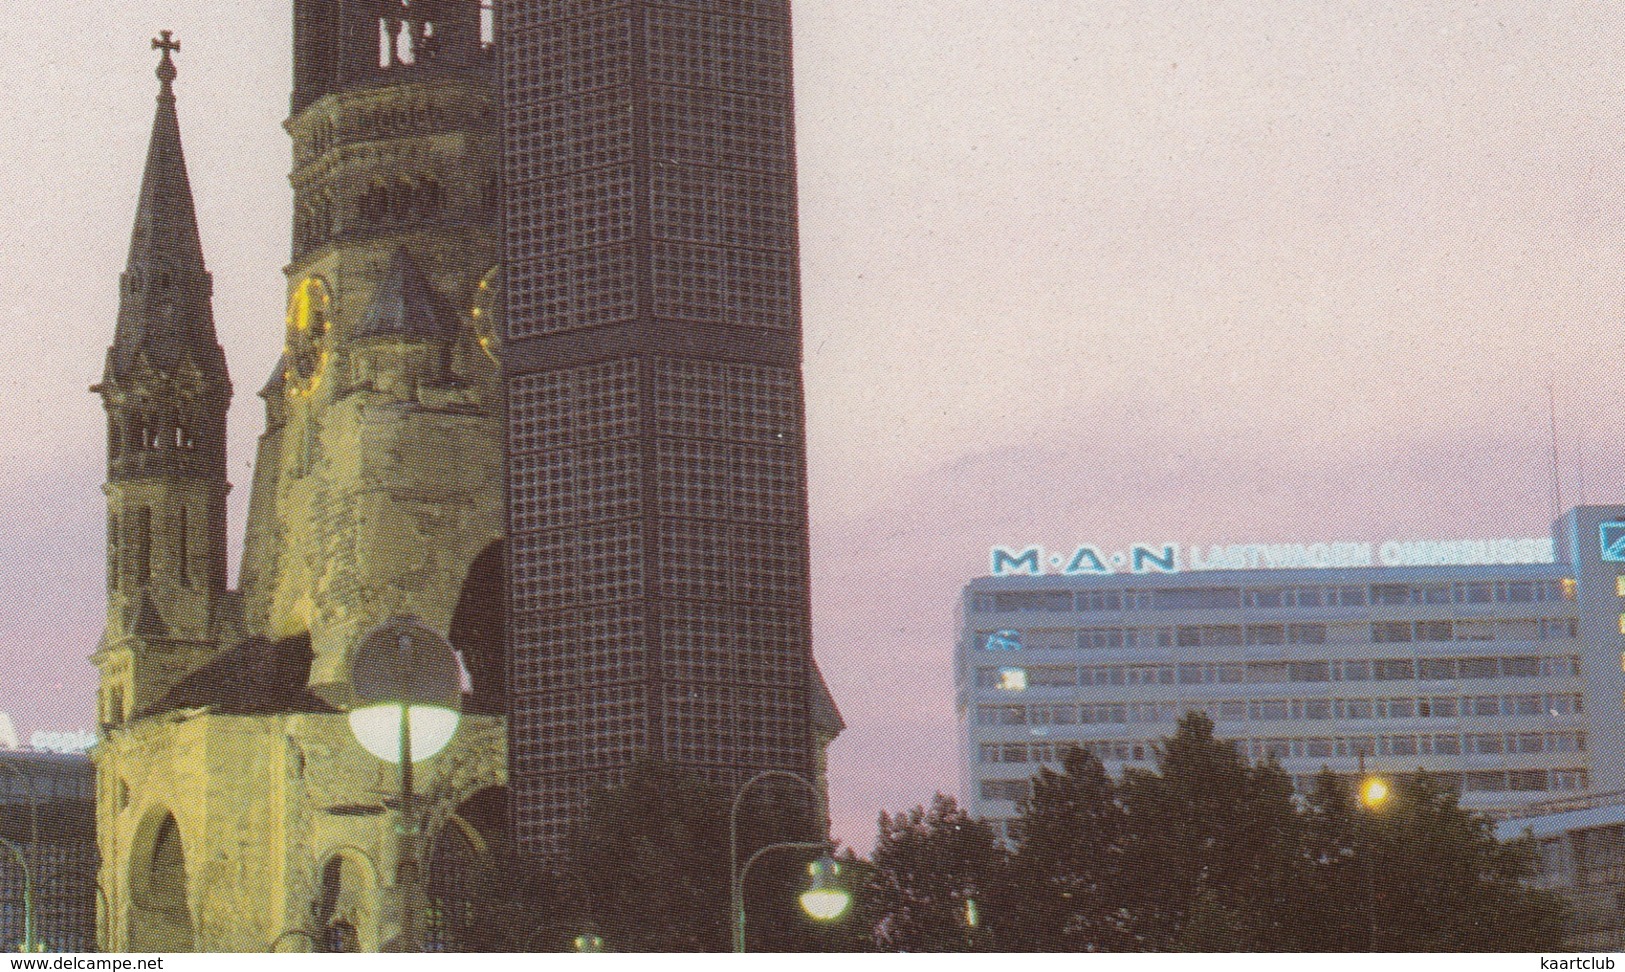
point(1172, 558)
point(62, 741)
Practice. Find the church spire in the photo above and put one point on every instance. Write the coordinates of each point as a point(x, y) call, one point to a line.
point(165, 307)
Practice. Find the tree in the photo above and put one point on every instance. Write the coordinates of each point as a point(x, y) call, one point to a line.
point(926, 863)
point(1209, 829)
point(1419, 873)
point(648, 866)
point(1067, 873)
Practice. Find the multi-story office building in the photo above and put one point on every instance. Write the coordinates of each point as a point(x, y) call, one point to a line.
point(1502, 679)
point(656, 453)
point(49, 797)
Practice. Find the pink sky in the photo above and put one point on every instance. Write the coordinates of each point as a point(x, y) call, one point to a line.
point(1101, 272)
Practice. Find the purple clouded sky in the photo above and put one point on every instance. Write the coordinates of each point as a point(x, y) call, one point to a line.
point(1074, 272)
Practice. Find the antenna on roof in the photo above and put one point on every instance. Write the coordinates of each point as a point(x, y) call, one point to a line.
point(1580, 467)
point(1557, 482)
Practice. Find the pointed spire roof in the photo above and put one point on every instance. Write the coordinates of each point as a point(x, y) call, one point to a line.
point(407, 307)
point(165, 308)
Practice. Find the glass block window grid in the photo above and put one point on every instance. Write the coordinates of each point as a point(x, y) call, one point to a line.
point(697, 50)
point(722, 207)
point(603, 727)
point(552, 138)
point(719, 480)
point(597, 646)
point(571, 291)
point(733, 644)
point(734, 727)
point(549, 805)
point(748, 288)
point(731, 402)
point(706, 560)
point(562, 56)
point(576, 406)
point(568, 487)
point(578, 566)
point(689, 126)
point(573, 212)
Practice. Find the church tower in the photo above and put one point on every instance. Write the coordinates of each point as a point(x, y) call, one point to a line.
point(378, 480)
point(165, 390)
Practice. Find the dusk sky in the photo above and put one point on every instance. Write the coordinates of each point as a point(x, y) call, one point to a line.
point(1074, 270)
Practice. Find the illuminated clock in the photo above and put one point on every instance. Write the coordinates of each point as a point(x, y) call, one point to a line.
point(310, 317)
point(487, 312)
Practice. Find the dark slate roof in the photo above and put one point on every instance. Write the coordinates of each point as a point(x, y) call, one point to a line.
point(407, 307)
point(166, 301)
point(826, 718)
point(258, 677)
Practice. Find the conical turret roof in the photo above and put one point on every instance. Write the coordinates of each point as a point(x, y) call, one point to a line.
point(166, 308)
point(407, 307)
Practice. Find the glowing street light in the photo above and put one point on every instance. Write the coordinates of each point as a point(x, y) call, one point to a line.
point(1374, 792)
point(408, 689)
point(589, 942)
point(825, 900)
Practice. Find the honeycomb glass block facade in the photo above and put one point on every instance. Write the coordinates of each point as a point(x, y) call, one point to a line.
point(657, 459)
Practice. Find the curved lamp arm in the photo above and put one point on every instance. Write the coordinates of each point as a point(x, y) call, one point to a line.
point(736, 877)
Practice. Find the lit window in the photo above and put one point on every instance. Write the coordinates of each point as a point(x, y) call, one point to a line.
point(1013, 679)
point(1004, 641)
point(1622, 624)
point(1619, 585)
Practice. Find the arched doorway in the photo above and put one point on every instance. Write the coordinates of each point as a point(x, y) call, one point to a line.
point(160, 914)
point(343, 905)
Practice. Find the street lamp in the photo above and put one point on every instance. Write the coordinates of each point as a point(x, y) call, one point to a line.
point(29, 945)
point(1374, 793)
point(588, 942)
point(409, 693)
point(825, 900)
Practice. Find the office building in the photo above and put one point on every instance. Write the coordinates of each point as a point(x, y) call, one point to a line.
point(49, 796)
point(1501, 676)
point(657, 510)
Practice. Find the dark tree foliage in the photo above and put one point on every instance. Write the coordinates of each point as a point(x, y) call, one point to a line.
point(648, 867)
point(1208, 853)
point(1420, 874)
point(1068, 868)
point(926, 864)
point(1208, 828)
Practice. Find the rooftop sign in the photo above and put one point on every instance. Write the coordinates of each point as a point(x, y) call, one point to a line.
point(1173, 558)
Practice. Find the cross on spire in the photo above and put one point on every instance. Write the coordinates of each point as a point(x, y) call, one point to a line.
point(165, 41)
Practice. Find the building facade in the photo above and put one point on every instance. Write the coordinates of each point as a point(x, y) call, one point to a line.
point(1499, 679)
point(47, 811)
point(657, 504)
point(235, 809)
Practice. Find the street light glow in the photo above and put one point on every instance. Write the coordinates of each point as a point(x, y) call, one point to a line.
point(1374, 792)
point(378, 729)
point(825, 900)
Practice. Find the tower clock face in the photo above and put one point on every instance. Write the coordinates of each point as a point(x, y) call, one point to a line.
point(309, 320)
point(487, 312)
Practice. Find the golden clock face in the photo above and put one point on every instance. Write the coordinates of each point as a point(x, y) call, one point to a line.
point(487, 312)
point(309, 319)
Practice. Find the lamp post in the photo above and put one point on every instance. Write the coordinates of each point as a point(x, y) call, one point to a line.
point(409, 691)
point(29, 945)
point(825, 900)
point(1374, 792)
